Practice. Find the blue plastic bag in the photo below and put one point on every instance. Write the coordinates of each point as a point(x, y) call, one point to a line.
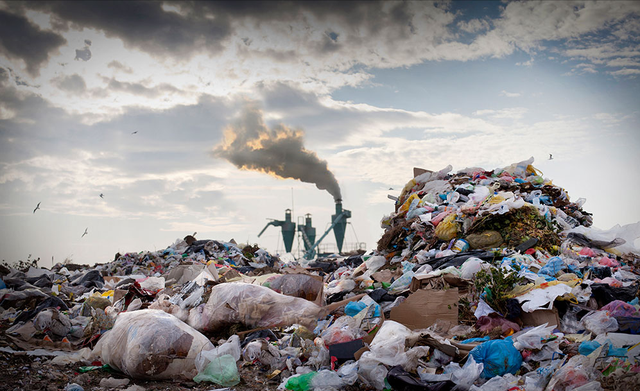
point(472, 340)
point(353, 308)
point(499, 357)
point(553, 267)
point(587, 347)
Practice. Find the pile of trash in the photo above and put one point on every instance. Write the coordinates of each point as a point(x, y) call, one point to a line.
point(482, 280)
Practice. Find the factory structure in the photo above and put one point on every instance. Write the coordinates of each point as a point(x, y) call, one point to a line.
point(307, 233)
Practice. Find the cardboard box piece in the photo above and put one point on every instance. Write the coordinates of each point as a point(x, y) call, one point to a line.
point(424, 307)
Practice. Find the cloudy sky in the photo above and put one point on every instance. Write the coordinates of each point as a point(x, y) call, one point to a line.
point(180, 113)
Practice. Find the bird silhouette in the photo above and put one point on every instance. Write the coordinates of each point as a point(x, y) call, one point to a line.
point(134, 132)
point(101, 195)
point(550, 157)
point(85, 232)
point(37, 207)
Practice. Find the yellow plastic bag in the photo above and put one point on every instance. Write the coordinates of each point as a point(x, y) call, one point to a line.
point(407, 203)
point(448, 228)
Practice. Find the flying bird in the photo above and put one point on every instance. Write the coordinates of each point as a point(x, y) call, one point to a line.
point(37, 207)
point(550, 157)
point(101, 195)
point(85, 232)
point(134, 132)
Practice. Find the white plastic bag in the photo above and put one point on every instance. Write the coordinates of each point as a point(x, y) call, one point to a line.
point(388, 347)
point(532, 338)
point(471, 267)
point(599, 322)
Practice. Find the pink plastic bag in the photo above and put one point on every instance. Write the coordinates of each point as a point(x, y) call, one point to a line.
point(606, 261)
point(619, 308)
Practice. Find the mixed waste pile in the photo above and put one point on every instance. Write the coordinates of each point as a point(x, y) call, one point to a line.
point(482, 280)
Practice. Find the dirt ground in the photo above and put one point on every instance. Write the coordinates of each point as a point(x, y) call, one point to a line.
point(22, 372)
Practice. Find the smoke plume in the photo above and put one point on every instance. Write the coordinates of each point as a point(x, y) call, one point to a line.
point(279, 151)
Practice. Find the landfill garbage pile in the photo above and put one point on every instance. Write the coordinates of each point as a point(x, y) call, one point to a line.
point(482, 280)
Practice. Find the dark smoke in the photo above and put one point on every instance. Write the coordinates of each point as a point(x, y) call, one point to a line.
point(279, 151)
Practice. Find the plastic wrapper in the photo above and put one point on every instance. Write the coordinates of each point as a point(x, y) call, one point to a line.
point(599, 322)
point(252, 305)
point(499, 357)
point(151, 344)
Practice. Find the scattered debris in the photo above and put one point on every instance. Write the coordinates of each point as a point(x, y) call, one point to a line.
point(482, 280)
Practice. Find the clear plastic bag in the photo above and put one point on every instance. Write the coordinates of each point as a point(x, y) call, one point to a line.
point(297, 285)
point(151, 344)
point(231, 347)
point(599, 322)
point(372, 372)
point(349, 372)
point(253, 306)
point(537, 380)
point(577, 372)
point(344, 329)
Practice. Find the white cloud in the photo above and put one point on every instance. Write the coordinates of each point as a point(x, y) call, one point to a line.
point(625, 72)
point(473, 25)
point(623, 62)
point(510, 94)
point(528, 63)
point(509, 113)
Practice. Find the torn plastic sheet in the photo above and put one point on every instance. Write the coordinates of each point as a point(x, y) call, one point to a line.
point(542, 298)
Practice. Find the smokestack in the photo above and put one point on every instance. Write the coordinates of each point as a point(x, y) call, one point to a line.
point(279, 151)
point(340, 226)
